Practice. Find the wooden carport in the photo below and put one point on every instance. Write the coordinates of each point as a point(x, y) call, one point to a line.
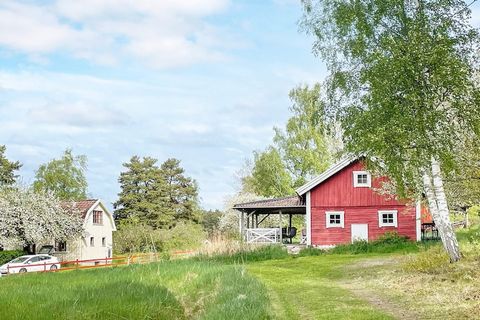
point(252, 214)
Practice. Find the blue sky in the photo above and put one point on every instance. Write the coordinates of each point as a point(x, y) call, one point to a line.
point(203, 81)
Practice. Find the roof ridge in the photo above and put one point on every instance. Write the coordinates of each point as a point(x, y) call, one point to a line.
point(329, 172)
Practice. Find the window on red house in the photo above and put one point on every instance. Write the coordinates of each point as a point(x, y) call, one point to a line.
point(361, 179)
point(97, 217)
point(335, 219)
point(387, 218)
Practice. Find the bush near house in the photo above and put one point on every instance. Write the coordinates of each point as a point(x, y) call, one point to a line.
point(132, 238)
point(6, 256)
point(386, 243)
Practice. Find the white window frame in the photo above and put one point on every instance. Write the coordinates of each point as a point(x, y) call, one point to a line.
point(342, 219)
point(380, 218)
point(361, 185)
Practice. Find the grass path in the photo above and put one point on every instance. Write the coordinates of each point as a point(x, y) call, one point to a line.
point(314, 288)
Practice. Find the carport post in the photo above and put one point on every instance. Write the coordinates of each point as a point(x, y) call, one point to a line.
point(280, 218)
point(242, 224)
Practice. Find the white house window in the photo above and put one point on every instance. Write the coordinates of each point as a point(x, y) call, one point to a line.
point(335, 219)
point(104, 242)
point(97, 217)
point(60, 246)
point(387, 218)
point(362, 179)
point(92, 242)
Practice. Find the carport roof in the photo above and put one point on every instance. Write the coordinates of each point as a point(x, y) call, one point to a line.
point(292, 204)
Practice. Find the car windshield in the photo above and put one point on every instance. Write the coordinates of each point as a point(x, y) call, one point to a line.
point(19, 260)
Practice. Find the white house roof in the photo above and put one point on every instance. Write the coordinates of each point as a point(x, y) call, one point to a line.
point(325, 175)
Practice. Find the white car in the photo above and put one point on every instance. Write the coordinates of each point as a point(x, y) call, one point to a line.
point(30, 263)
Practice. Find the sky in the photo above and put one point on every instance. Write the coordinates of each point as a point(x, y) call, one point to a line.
point(203, 81)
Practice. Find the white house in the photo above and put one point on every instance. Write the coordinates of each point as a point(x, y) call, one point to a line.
point(96, 241)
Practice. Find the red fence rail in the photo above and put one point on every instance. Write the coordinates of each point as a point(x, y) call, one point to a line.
point(94, 263)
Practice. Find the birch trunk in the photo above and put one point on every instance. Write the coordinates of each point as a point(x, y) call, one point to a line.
point(437, 203)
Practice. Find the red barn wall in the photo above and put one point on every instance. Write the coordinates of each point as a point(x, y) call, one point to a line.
point(360, 205)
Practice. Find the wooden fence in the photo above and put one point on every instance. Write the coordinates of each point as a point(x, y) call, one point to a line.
point(95, 263)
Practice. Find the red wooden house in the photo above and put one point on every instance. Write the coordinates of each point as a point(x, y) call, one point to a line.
point(340, 206)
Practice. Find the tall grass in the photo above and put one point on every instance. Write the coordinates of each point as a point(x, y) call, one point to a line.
point(247, 254)
point(182, 289)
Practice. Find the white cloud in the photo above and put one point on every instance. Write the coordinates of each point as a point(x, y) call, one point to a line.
point(77, 114)
point(162, 33)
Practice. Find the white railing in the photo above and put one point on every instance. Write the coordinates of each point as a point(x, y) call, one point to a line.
point(263, 235)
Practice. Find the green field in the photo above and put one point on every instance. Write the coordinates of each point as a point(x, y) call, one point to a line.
point(165, 290)
point(409, 282)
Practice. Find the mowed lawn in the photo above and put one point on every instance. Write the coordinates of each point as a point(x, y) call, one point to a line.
point(312, 288)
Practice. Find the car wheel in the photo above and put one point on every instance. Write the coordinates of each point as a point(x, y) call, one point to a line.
point(23, 270)
point(53, 267)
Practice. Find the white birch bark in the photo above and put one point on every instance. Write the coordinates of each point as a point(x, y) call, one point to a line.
point(437, 203)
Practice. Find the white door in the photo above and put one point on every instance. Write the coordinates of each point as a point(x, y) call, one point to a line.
point(359, 232)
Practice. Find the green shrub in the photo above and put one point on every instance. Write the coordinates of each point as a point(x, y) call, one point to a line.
point(185, 235)
point(132, 237)
point(432, 261)
point(6, 256)
point(386, 243)
point(311, 251)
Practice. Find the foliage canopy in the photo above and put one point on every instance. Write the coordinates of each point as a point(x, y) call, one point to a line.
point(156, 196)
point(64, 177)
point(7, 169)
point(401, 79)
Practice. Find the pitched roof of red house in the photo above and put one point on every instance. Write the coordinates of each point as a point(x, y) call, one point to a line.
point(332, 170)
point(82, 206)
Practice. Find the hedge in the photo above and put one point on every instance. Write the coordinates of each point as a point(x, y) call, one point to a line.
point(6, 256)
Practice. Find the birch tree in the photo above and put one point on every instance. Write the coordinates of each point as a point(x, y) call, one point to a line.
point(302, 149)
point(401, 82)
point(28, 217)
point(305, 143)
point(269, 176)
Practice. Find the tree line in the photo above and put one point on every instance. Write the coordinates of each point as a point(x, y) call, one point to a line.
point(152, 197)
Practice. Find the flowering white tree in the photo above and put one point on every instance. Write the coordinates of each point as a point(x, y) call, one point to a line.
point(28, 217)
